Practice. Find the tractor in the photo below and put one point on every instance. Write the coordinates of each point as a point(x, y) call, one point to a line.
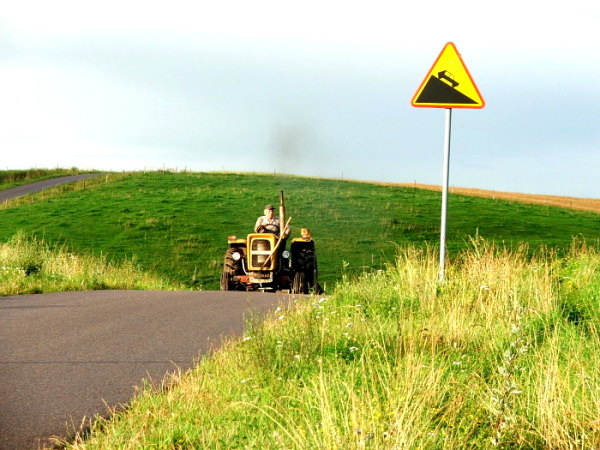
point(261, 262)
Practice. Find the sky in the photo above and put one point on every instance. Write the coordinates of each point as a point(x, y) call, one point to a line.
point(318, 88)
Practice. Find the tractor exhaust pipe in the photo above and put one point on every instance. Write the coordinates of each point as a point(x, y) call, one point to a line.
point(281, 211)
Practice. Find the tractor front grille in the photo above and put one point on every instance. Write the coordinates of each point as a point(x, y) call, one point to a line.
point(261, 248)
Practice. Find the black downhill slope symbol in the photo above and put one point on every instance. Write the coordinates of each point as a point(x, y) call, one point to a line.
point(438, 91)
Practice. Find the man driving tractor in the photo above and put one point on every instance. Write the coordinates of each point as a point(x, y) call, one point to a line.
point(270, 224)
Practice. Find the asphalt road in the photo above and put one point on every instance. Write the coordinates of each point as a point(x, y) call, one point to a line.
point(30, 188)
point(68, 356)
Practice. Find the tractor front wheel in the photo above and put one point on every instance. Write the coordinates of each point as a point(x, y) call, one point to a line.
point(226, 281)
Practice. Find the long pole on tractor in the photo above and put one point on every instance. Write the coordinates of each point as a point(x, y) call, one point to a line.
point(282, 230)
point(446, 177)
point(279, 240)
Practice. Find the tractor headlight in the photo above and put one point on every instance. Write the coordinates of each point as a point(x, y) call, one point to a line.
point(236, 256)
point(285, 254)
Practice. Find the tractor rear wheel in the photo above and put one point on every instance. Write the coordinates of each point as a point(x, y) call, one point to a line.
point(299, 284)
point(231, 267)
point(306, 261)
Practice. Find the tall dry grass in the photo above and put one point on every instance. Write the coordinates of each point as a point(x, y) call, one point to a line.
point(30, 265)
point(504, 354)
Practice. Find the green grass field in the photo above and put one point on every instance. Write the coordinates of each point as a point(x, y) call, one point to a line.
point(175, 225)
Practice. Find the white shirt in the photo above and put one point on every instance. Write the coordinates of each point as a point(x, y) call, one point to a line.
point(271, 226)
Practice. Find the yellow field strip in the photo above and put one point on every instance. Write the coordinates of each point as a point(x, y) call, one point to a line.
point(584, 204)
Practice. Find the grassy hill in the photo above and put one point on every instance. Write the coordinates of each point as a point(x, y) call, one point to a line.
point(176, 224)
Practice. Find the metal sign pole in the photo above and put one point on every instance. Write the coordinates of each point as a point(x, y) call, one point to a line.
point(445, 192)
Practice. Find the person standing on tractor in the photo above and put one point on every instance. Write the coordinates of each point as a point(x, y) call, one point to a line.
point(269, 223)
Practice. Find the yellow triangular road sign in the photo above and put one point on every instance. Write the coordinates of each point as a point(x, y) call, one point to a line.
point(448, 84)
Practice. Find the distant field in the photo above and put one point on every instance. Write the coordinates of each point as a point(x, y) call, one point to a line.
point(583, 204)
point(176, 224)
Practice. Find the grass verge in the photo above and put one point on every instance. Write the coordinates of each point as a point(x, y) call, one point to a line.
point(12, 178)
point(504, 354)
point(30, 266)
